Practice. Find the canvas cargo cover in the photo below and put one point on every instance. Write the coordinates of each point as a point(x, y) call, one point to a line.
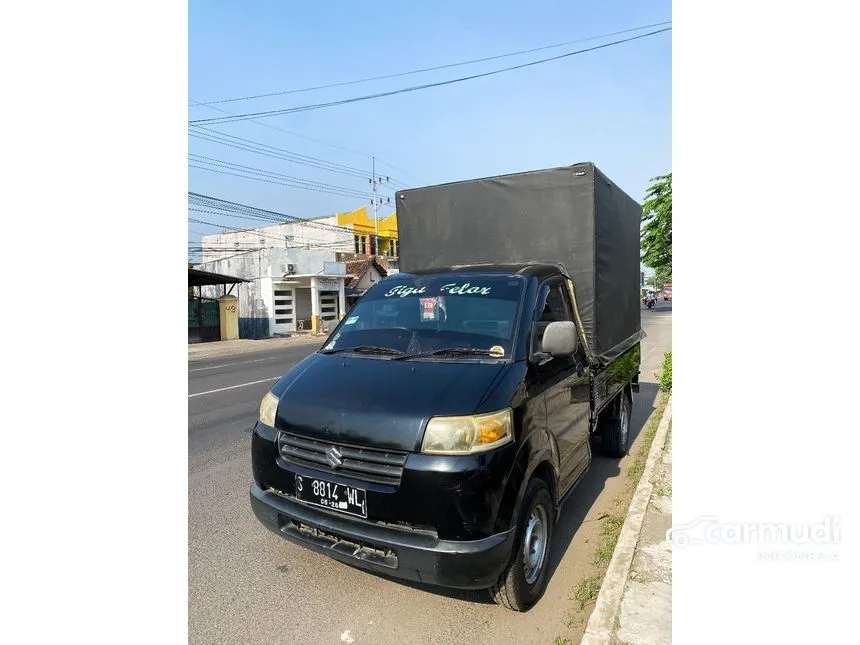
point(574, 216)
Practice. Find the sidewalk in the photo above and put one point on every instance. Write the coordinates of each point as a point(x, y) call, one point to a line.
point(199, 351)
point(634, 606)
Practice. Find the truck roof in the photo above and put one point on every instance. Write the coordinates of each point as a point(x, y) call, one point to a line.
point(539, 269)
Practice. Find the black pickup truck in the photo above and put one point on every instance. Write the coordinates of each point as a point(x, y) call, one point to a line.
point(436, 432)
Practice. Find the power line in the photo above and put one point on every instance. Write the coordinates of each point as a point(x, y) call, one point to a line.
point(282, 157)
point(251, 213)
point(226, 213)
point(255, 233)
point(208, 201)
point(396, 181)
point(201, 132)
point(223, 204)
point(415, 88)
point(287, 240)
point(432, 69)
point(303, 136)
point(227, 230)
point(226, 208)
point(280, 183)
point(249, 145)
point(295, 134)
point(251, 169)
point(204, 159)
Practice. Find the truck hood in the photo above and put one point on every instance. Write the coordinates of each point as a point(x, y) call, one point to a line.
point(377, 403)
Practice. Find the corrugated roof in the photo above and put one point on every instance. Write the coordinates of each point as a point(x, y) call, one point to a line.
point(199, 278)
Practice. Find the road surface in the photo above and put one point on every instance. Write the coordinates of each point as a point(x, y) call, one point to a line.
point(248, 586)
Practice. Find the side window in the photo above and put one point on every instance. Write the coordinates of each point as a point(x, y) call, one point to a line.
point(555, 308)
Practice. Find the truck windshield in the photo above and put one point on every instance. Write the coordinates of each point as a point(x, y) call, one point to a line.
point(423, 315)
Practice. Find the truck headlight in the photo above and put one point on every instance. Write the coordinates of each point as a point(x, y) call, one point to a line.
point(268, 408)
point(469, 434)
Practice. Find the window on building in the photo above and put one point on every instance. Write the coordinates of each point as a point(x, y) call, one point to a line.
point(374, 245)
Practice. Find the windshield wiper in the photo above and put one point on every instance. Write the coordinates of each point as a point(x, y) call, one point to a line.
point(364, 349)
point(451, 351)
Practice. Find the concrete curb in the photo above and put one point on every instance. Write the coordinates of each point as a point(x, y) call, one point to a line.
point(200, 351)
point(601, 624)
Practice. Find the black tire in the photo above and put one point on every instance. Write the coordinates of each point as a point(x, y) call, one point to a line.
point(513, 590)
point(615, 427)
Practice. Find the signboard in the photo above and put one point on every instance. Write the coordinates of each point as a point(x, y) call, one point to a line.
point(324, 284)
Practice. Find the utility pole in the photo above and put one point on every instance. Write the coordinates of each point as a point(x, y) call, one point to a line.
point(376, 201)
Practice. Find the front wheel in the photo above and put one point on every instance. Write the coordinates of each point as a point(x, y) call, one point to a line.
point(524, 580)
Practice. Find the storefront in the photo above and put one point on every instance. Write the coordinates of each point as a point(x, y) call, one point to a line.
point(300, 299)
point(287, 291)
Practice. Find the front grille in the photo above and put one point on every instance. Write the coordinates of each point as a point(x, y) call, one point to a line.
point(365, 464)
point(359, 550)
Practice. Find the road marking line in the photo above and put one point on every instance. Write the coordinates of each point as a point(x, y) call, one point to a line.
point(200, 369)
point(231, 387)
point(212, 367)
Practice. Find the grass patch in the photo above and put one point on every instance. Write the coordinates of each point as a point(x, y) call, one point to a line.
point(666, 373)
point(634, 473)
point(610, 530)
point(662, 484)
point(587, 589)
point(572, 621)
point(561, 641)
point(612, 526)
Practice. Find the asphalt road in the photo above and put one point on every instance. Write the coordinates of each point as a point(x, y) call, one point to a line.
point(247, 586)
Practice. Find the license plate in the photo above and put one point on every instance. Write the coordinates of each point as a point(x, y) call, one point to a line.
point(346, 499)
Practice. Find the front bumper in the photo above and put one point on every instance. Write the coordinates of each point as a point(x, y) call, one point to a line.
point(418, 556)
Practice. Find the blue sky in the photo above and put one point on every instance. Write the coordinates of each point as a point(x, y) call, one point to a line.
point(611, 106)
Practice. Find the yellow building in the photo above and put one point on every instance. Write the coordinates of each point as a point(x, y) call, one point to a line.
point(365, 230)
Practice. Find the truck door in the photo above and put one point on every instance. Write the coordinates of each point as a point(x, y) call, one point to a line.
point(566, 394)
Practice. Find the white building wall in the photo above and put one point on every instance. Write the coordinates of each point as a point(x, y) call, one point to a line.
point(255, 301)
point(370, 278)
point(311, 234)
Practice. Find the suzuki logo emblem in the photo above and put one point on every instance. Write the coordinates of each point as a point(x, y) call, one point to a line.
point(333, 457)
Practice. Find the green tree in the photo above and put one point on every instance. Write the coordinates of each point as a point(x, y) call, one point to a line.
point(656, 232)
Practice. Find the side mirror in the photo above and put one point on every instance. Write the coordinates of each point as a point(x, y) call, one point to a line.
point(559, 339)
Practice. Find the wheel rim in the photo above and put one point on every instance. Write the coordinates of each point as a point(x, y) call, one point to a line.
point(625, 424)
point(534, 544)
